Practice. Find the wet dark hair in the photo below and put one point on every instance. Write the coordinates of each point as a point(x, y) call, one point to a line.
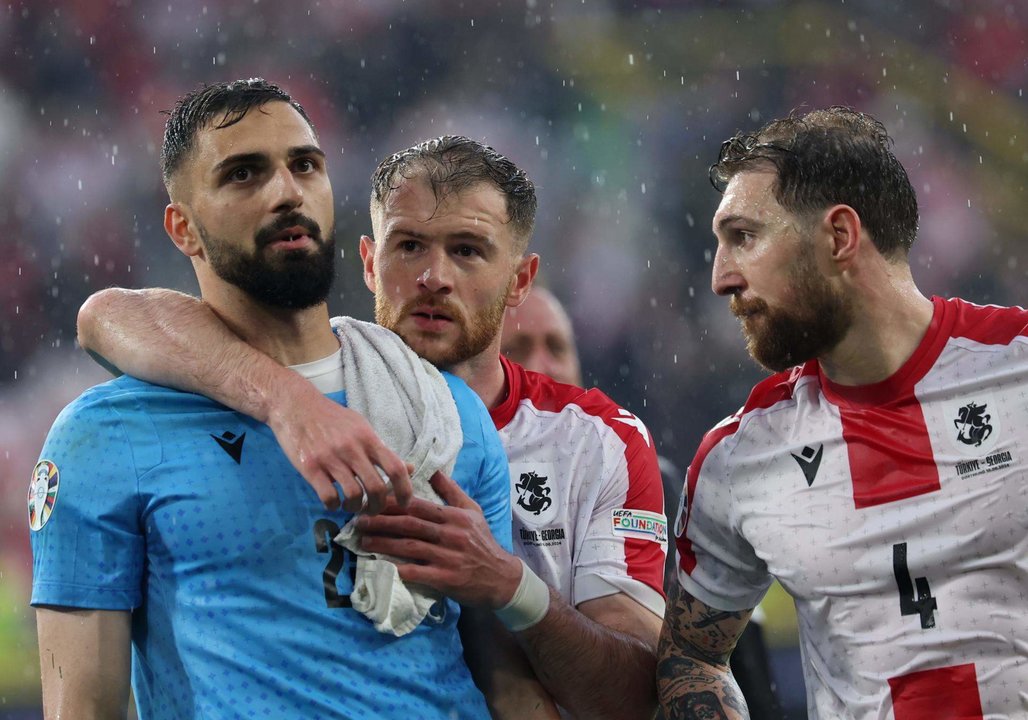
point(453, 163)
point(198, 109)
point(825, 157)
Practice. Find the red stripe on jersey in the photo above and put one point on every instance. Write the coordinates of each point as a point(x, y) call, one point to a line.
point(988, 324)
point(948, 692)
point(644, 559)
point(545, 392)
point(890, 453)
point(765, 394)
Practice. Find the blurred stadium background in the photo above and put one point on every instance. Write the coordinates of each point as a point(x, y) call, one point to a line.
point(614, 107)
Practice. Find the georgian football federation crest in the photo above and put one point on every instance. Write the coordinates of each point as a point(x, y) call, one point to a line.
point(535, 497)
point(534, 492)
point(46, 480)
point(973, 425)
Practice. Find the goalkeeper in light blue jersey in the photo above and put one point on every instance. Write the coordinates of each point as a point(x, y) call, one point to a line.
point(175, 542)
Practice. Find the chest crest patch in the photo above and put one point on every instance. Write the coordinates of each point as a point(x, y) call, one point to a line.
point(535, 497)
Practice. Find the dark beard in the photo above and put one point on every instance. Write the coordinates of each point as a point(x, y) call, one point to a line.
point(294, 280)
point(781, 337)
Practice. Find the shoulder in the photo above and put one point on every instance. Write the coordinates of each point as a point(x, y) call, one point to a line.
point(127, 410)
point(770, 394)
point(110, 397)
point(986, 324)
point(549, 396)
point(474, 417)
point(587, 419)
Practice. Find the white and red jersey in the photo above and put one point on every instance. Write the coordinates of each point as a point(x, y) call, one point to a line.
point(586, 493)
point(896, 515)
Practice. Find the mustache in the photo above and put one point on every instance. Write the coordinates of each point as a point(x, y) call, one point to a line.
point(433, 302)
point(267, 234)
point(742, 308)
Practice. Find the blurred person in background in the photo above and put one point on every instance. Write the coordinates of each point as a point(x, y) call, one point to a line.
point(451, 221)
point(879, 474)
point(539, 336)
point(172, 539)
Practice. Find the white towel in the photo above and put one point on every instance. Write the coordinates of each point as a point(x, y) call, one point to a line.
point(408, 403)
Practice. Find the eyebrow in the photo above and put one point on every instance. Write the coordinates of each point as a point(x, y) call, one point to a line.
point(302, 150)
point(259, 158)
point(463, 235)
point(731, 219)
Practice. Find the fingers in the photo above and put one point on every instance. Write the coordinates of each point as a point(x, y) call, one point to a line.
point(325, 488)
point(395, 469)
point(356, 499)
point(405, 525)
point(330, 443)
point(451, 492)
point(376, 489)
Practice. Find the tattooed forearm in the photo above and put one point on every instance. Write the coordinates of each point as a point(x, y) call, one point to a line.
point(689, 689)
point(693, 676)
point(710, 633)
point(701, 706)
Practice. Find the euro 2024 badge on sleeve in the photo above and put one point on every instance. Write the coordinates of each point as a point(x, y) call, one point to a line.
point(46, 479)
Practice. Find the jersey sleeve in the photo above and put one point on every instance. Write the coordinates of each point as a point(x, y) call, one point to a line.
point(626, 537)
point(88, 548)
point(494, 491)
point(482, 468)
point(715, 562)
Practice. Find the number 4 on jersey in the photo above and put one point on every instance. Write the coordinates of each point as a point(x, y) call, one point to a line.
point(923, 603)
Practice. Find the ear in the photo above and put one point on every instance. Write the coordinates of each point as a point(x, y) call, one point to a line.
point(367, 250)
point(524, 275)
point(844, 226)
point(182, 231)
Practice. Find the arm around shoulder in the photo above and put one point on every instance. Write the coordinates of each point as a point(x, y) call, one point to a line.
point(169, 338)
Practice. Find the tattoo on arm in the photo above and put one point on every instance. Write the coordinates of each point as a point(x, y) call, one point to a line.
point(693, 676)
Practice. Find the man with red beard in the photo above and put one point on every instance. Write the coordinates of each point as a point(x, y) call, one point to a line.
point(583, 591)
point(879, 475)
point(538, 335)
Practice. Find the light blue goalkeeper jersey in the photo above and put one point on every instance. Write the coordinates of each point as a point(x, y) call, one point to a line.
point(189, 514)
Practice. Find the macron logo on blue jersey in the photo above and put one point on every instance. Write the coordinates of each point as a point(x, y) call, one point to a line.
point(231, 444)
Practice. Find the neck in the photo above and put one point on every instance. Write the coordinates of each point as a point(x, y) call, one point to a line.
point(891, 317)
point(290, 337)
point(484, 374)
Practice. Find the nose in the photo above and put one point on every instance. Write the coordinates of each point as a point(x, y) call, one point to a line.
point(287, 195)
point(725, 277)
point(436, 273)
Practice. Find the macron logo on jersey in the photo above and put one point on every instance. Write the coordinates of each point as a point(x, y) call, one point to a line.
point(809, 461)
point(231, 444)
point(632, 421)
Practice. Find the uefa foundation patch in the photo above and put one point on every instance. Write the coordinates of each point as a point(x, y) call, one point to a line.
point(640, 524)
point(46, 479)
